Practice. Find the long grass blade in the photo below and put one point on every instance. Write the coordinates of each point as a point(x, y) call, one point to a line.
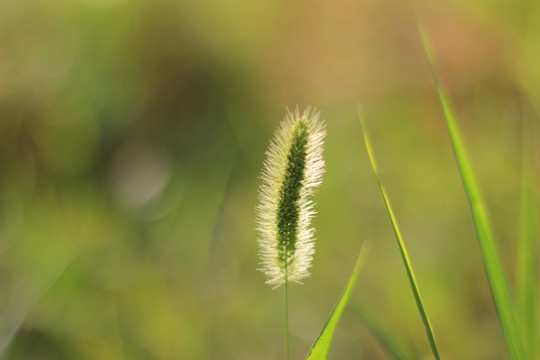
point(319, 349)
point(494, 272)
point(384, 338)
point(401, 244)
point(526, 279)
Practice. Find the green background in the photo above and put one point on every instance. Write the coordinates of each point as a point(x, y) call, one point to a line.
point(132, 135)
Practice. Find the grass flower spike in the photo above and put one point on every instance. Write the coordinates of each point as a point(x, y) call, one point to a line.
point(292, 170)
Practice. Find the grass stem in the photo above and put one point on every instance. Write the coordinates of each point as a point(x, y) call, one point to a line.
point(527, 280)
point(287, 337)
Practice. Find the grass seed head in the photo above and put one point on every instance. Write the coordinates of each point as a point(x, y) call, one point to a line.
point(291, 172)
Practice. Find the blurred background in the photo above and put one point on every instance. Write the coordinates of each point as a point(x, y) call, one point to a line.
point(132, 135)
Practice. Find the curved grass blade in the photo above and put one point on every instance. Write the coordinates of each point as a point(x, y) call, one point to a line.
point(11, 321)
point(492, 265)
point(401, 244)
point(526, 279)
point(384, 338)
point(319, 349)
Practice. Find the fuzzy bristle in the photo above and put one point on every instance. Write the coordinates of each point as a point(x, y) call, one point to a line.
point(291, 172)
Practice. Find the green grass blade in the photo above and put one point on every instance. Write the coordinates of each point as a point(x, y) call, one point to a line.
point(384, 338)
point(494, 272)
point(401, 244)
point(526, 279)
point(12, 320)
point(320, 347)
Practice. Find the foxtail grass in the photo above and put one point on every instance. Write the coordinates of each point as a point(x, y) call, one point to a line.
point(292, 171)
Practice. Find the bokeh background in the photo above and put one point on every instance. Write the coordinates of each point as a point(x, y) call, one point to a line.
point(132, 134)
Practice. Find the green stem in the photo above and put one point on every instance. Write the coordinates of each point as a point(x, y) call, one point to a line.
point(287, 313)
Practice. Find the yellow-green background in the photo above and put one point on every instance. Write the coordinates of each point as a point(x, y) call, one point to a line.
point(132, 135)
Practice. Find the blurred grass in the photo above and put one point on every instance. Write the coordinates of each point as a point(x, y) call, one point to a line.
point(131, 138)
point(383, 336)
